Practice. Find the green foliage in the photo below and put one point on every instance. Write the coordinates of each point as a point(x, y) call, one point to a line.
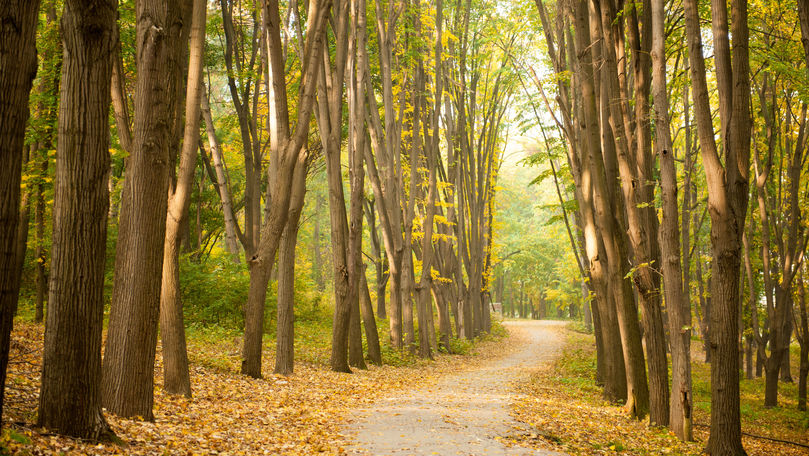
point(214, 292)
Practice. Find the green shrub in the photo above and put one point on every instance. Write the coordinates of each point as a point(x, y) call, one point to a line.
point(214, 292)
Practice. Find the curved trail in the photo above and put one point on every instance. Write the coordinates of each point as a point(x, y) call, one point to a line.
point(463, 414)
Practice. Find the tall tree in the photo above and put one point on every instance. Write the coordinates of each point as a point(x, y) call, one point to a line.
point(70, 397)
point(384, 163)
point(176, 379)
point(679, 308)
point(129, 354)
point(614, 368)
point(331, 78)
point(727, 201)
point(288, 155)
point(18, 66)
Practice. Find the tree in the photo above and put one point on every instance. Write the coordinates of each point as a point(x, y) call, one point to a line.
point(679, 309)
point(331, 77)
point(287, 155)
point(727, 202)
point(176, 379)
point(70, 397)
point(383, 164)
point(18, 66)
point(129, 354)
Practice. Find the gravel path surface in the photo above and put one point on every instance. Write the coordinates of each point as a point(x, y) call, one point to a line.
point(464, 413)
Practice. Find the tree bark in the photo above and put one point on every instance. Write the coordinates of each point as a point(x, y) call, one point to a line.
point(678, 306)
point(39, 250)
point(70, 397)
point(379, 258)
point(287, 156)
point(222, 187)
point(329, 118)
point(176, 378)
point(129, 354)
point(285, 332)
point(369, 323)
point(727, 202)
point(635, 172)
point(383, 168)
point(615, 387)
point(356, 176)
point(802, 334)
point(18, 66)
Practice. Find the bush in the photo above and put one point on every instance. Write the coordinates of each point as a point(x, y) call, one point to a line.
point(214, 292)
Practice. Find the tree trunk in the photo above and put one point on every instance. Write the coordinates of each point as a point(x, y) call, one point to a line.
point(705, 307)
point(287, 156)
point(727, 201)
point(379, 259)
point(802, 334)
point(129, 354)
point(18, 66)
point(22, 228)
point(317, 266)
point(176, 378)
point(679, 309)
point(369, 322)
point(329, 120)
point(285, 332)
point(387, 145)
point(70, 398)
point(615, 387)
point(637, 388)
point(39, 251)
point(748, 358)
point(356, 176)
point(231, 227)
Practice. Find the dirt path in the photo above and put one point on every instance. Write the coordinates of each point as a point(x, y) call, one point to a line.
point(462, 414)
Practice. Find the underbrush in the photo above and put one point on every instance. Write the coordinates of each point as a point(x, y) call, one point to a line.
point(564, 408)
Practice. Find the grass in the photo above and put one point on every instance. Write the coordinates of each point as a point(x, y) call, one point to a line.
point(564, 403)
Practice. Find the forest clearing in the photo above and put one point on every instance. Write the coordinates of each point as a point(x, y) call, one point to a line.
point(404, 227)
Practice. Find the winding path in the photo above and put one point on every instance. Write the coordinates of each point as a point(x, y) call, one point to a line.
point(464, 413)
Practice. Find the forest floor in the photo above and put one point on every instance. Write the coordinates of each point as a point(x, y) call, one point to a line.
point(464, 413)
point(230, 414)
point(563, 409)
point(501, 397)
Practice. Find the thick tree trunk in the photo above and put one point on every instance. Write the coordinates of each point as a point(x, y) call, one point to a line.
point(18, 66)
point(356, 176)
point(129, 354)
point(70, 397)
point(330, 84)
point(176, 378)
point(637, 387)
